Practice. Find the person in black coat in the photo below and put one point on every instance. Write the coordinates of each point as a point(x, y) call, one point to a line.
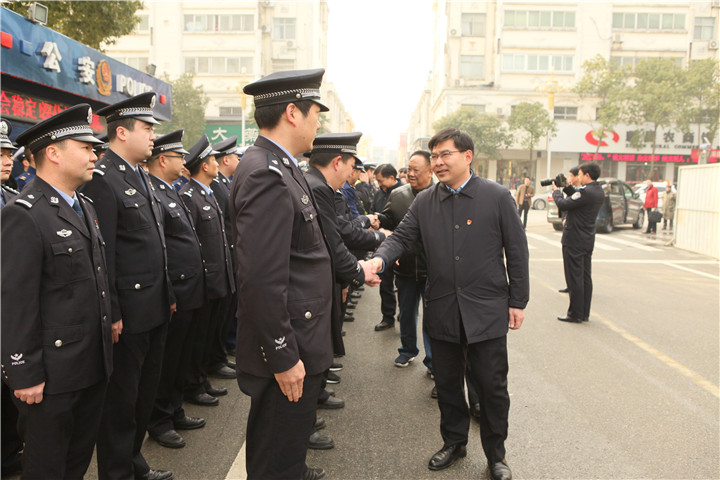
point(56, 329)
point(473, 296)
point(187, 274)
point(578, 240)
point(141, 293)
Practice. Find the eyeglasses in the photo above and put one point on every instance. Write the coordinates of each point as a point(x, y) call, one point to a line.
point(444, 154)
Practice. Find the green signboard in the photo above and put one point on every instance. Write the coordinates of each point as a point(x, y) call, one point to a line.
point(217, 132)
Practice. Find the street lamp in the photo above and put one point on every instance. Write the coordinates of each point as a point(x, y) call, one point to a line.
point(551, 87)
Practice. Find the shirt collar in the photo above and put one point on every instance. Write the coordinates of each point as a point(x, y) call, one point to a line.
point(455, 192)
point(285, 151)
point(70, 200)
point(207, 189)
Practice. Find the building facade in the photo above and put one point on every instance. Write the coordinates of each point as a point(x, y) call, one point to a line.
point(497, 54)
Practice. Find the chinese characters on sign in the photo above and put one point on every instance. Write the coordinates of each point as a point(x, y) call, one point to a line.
point(86, 70)
point(31, 109)
point(52, 56)
point(637, 157)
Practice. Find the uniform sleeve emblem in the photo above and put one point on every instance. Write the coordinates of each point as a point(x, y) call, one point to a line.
point(576, 195)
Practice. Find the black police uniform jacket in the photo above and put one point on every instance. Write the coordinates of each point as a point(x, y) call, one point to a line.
point(131, 224)
point(354, 231)
point(8, 193)
point(220, 187)
point(464, 237)
point(582, 206)
point(185, 262)
point(55, 305)
point(284, 269)
point(210, 228)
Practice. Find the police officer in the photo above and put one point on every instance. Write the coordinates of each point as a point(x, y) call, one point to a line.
point(7, 193)
point(582, 206)
point(28, 162)
point(140, 291)
point(208, 219)
point(185, 265)
point(57, 342)
point(284, 277)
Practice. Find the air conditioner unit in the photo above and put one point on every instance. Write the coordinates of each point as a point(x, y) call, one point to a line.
point(713, 45)
point(265, 28)
point(617, 38)
point(453, 33)
point(715, 3)
point(291, 43)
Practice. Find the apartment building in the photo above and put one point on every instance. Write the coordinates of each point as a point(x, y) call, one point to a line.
point(492, 55)
point(227, 45)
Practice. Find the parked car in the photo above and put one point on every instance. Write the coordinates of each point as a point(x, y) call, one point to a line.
point(621, 206)
point(540, 201)
point(641, 188)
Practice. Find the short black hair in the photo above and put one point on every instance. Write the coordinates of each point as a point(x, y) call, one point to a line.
point(127, 123)
point(422, 153)
point(463, 141)
point(402, 170)
point(196, 168)
point(268, 117)
point(592, 169)
point(575, 170)
point(322, 159)
point(386, 171)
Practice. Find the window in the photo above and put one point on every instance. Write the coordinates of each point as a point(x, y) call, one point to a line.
point(539, 19)
point(704, 28)
point(477, 108)
point(537, 63)
point(473, 24)
point(649, 21)
point(218, 65)
point(139, 63)
point(230, 111)
point(633, 61)
point(219, 23)
point(144, 24)
point(565, 113)
point(471, 66)
point(283, 29)
point(279, 64)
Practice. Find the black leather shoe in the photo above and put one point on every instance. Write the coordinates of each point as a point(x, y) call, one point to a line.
point(348, 318)
point(355, 295)
point(336, 367)
point(313, 474)
point(500, 471)
point(331, 403)
point(156, 475)
point(169, 439)
point(570, 319)
point(223, 372)
point(333, 378)
point(446, 457)
point(203, 399)
point(350, 306)
point(216, 391)
point(319, 441)
point(230, 364)
point(433, 392)
point(319, 423)
point(330, 391)
point(189, 423)
point(564, 290)
point(383, 326)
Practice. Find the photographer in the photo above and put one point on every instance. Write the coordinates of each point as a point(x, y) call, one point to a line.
point(582, 206)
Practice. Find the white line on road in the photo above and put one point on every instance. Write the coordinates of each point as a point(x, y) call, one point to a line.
point(602, 246)
point(628, 243)
point(714, 277)
point(541, 238)
point(237, 470)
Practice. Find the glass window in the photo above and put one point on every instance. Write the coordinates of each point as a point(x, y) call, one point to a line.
point(565, 113)
point(557, 62)
point(203, 64)
point(545, 19)
point(283, 28)
point(233, 65)
point(667, 21)
point(532, 62)
point(654, 20)
point(508, 63)
point(617, 20)
point(679, 21)
point(544, 63)
point(519, 62)
point(189, 64)
point(521, 18)
point(558, 19)
point(471, 66)
point(704, 28)
point(226, 22)
point(642, 20)
point(247, 64)
point(569, 19)
point(629, 20)
point(510, 18)
point(473, 24)
point(144, 24)
point(533, 19)
point(230, 111)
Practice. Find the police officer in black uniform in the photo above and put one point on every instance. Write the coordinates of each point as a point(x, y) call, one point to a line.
point(140, 291)
point(56, 341)
point(285, 279)
point(578, 239)
point(7, 193)
point(210, 225)
point(187, 274)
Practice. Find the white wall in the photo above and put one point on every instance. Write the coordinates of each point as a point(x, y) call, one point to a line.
point(697, 214)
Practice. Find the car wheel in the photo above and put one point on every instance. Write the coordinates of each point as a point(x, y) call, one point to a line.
point(557, 226)
point(539, 204)
point(608, 227)
point(640, 220)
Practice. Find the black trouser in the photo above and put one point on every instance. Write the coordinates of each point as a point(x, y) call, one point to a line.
point(60, 433)
point(168, 401)
point(12, 445)
point(652, 226)
point(525, 207)
point(137, 363)
point(204, 327)
point(215, 351)
point(578, 275)
point(388, 302)
point(665, 222)
point(488, 371)
point(278, 430)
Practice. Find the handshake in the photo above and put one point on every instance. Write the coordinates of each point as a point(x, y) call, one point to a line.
point(375, 224)
point(371, 268)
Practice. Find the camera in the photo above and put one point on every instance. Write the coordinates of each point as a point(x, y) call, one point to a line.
point(560, 181)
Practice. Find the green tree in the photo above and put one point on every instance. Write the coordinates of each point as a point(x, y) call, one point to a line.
point(487, 131)
point(604, 80)
point(532, 122)
point(702, 87)
point(188, 109)
point(92, 23)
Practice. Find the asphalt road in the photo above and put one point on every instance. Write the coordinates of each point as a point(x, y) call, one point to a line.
point(632, 394)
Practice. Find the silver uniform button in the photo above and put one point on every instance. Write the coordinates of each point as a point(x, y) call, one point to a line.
point(58, 343)
point(308, 315)
point(182, 277)
point(137, 286)
point(69, 250)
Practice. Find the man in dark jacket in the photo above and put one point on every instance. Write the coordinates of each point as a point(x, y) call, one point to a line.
point(578, 239)
point(467, 224)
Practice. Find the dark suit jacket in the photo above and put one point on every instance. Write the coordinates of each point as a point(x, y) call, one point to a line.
point(55, 298)
point(185, 262)
point(464, 237)
point(131, 224)
point(221, 189)
point(582, 206)
point(284, 268)
point(210, 228)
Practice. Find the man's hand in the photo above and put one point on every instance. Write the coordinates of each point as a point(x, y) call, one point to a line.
point(344, 293)
point(116, 330)
point(553, 186)
point(31, 395)
point(516, 317)
point(370, 270)
point(173, 308)
point(291, 381)
point(374, 221)
point(386, 232)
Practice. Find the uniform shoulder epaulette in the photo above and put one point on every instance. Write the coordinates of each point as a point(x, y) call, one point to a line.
point(11, 190)
point(188, 192)
point(216, 180)
point(273, 164)
point(85, 197)
point(28, 199)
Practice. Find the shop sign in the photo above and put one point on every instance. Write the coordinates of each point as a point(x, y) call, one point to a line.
point(221, 131)
point(641, 157)
point(32, 109)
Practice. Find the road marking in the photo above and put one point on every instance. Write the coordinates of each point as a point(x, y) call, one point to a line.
point(696, 378)
point(237, 469)
point(714, 277)
point(531, 247)
point(602, 246)
point(541, 238)
point(631, 244)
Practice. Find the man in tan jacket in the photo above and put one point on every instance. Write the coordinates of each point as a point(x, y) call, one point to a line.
point(523, 198)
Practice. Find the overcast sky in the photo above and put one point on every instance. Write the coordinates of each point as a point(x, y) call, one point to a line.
point(379, 56)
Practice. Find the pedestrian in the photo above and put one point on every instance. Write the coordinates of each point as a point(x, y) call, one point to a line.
point(651, 203)
point(284, 278)
point(466, 225)
point(141, 293)
point(523, 198)
point(57, 340)
point(578, 239)
point(668, 209)
point(185, 267)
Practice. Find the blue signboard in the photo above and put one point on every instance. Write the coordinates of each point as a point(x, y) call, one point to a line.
point(37, 54)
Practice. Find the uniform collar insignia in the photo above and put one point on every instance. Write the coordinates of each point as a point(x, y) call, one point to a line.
point(206, 207)
point(305, 199)
point(121, 167)
point(162, 187)
point(286, 162)
point(64, 233)
point(103, 166)
point(130, 191)
point(54, 200)
point(31, 197)
point(172, 205)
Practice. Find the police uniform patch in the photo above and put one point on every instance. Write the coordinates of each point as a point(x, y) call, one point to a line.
point(206, 207)
point(172, 205)
point(64, 233)
point(130, 191)
point(576, 195)
point(54, 200)
point(121, 168)
point(305, 199)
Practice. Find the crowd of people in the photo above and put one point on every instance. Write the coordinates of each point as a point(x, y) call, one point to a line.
point(144, 266)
